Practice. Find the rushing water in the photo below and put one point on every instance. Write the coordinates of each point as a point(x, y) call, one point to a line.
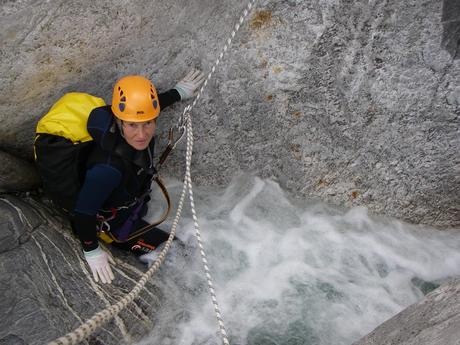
point(293, 273)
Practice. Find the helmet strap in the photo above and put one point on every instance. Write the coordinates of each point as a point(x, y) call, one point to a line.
point(120, 126)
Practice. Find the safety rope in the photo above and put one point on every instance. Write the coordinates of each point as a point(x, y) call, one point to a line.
point(185, 124)
point(209, 280)
point(181, 123)
point(187, 117)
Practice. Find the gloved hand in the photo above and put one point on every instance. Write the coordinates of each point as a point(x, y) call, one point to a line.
point(98, 261)
point(189, 85)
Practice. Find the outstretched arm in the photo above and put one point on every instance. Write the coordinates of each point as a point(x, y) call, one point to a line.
point(186, 88)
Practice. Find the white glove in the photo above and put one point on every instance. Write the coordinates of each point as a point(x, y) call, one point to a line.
point(98, 261)
point(188, 86)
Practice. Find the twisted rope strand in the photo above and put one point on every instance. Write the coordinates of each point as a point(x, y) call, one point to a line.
point(209, 280)
point(188, 158)
point(186, 113)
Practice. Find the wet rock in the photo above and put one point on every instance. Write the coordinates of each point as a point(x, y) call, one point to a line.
point(46, 287)
point(433, 321)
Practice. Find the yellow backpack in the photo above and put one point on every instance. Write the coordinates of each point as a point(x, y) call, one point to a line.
point(62, 145)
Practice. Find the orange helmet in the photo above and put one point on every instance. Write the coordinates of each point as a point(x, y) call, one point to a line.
point(135, 99)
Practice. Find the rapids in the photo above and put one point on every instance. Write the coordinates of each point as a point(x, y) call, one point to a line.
point(290, 272)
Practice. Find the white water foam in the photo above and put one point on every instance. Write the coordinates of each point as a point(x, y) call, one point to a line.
point(293, 273)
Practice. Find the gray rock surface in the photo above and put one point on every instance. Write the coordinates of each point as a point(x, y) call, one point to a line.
point(46, 287)
point(433, 321)
point(17, 174)
point(355, 103)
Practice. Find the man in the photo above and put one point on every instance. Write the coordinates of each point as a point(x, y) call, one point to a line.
point(120, 168)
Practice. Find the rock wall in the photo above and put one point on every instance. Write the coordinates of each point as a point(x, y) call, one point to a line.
point(355, 103)
point(432, 321)
point(47, 289)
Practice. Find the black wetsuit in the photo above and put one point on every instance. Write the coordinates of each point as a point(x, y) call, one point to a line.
point(117, 176)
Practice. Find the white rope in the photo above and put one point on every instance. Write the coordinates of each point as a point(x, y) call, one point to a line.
point(188, 158)
point(209, 280)
point(186, 112)
point(90, 325)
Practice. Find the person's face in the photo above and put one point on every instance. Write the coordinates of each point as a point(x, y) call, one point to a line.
point(139, 134)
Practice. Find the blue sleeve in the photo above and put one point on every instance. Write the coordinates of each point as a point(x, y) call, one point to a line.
point(100, 181)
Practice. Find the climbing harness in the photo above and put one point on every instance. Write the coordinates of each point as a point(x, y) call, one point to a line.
point(184, 126)
point(107, 236)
